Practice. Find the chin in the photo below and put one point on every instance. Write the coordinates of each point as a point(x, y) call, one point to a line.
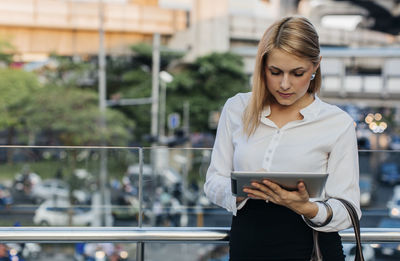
point(284, 102)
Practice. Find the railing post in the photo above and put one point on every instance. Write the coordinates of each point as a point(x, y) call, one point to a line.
point(140, 245)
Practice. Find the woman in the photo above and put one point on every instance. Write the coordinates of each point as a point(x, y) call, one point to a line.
point(282, 126)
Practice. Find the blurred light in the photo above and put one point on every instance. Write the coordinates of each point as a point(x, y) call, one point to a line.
point(398, 247)
point(100, 254)
point(365, 198)
point(378, 116)
point(375, 245)
point(372, 125)
point(395, 212)
point(13, 252)
point(369, 118)
point(383, 125)
point(123, 254)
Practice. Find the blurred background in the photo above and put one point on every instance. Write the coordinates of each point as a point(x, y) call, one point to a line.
point(92, 89)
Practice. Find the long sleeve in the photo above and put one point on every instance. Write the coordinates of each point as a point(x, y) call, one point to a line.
point(218, 183)
point(343, 180)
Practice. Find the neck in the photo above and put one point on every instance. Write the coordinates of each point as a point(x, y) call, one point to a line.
point(294, 108)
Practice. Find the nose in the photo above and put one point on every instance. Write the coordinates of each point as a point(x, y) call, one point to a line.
point(285, 82)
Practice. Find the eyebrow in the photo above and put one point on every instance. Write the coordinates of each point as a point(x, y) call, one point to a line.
point(295, 69)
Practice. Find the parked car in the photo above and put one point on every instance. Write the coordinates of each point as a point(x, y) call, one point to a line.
point(367, 190)
point(169, 176)
point(26, 181)
point(5, 196)
point(394, 203)
point(57, 212)
point(50, 189)
point(395, 143)
point(350, 252)
point(57, 189)
point(389, 173)
point(388, 249)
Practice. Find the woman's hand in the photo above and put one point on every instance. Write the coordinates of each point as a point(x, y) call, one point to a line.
point(239, 199)
point(298, 201)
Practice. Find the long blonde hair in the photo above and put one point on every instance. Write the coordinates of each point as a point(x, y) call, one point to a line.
point(294, 35)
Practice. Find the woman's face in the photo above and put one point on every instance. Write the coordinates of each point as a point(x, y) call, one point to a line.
point(288, 78)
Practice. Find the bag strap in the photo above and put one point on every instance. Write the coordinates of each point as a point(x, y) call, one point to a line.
point(356, 225)
point(316, 254)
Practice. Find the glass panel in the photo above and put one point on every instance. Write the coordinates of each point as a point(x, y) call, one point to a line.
point(66, 252)
point(35, 181)
point(174, 195)
point(63, 186)
point(184, 252)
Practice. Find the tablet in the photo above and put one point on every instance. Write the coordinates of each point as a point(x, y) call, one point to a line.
point(314, 182)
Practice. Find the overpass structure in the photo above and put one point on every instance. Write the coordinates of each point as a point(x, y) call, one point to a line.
point(351, 73)
point(37, 28)
point(344, 79)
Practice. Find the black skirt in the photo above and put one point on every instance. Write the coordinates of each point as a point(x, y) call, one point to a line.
point(265, 231)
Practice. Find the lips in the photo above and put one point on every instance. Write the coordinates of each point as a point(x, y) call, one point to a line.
point(285, 95)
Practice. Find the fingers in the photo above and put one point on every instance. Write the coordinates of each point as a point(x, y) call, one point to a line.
point(272, 192)
point(272, 186)
point(239, 199)
point(255, 194)
point(262, 191)
point(302, 189)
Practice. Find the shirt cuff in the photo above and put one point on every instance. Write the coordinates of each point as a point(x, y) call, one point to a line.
point(241, 204)
point(321, 215)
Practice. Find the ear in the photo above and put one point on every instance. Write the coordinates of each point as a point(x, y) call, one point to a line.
point(317, 65)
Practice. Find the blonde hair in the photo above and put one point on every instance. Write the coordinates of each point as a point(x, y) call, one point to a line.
point(294, 35)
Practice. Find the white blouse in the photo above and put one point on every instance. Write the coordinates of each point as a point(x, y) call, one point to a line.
point(323, 141)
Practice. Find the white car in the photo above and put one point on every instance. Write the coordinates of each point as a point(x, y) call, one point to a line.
point(58, 212)
point(394, 204)
point(51, 189)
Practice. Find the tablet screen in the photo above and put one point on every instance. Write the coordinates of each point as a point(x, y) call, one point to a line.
point(314, 182)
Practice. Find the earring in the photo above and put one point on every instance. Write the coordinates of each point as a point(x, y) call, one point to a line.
point(312, 76)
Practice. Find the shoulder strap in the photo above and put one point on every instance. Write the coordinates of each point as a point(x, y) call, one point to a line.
point(356, 225)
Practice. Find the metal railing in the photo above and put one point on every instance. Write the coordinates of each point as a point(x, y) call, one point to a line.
point(158, 234)
point(113, 234)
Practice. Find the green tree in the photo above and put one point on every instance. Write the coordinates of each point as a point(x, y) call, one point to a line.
point(206, 84)
point(69, 72)
point(16, 87)
point(71, 116)
point(130, 77)
point(6, 52)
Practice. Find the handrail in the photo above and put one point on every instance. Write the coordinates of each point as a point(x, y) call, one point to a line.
point(159, 234)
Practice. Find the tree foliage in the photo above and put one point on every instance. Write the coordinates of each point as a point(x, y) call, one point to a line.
point(6, 50)
point(130, 77)
point(72, 117)
point(206, 84)
point(16, 87)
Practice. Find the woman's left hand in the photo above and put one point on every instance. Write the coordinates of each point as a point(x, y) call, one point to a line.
point(297, 201)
